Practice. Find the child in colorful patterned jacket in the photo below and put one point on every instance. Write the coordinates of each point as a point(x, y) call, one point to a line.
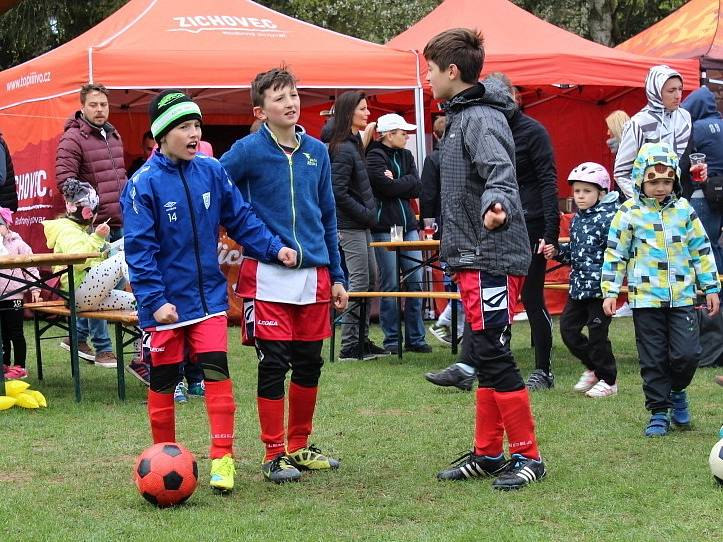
point(657, 239)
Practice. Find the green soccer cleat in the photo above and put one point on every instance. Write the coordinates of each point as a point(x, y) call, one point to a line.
point(311, 458)
point(222, 472)
point(280, 470)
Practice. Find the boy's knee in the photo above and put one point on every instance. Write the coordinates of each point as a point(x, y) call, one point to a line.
point(164, 378)
point(214, 365)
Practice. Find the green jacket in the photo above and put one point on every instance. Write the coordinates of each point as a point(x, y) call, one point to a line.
point(65, 236)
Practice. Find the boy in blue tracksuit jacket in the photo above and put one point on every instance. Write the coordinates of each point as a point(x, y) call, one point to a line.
point(286, 177)
point(172, 209)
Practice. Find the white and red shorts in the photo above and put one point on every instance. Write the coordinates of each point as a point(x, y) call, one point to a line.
point(168, 346)
point(283, 304)
point(489, 300)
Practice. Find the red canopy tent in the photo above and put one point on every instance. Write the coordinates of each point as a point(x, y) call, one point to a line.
point(689, 32)
point(569, 83)
point(213, 49)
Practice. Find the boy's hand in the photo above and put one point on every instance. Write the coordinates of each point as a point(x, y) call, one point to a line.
point(35, 296)
point(549, 251)
point(494, 217)
point(102, 230)
point(609, 306)
point(287, 256)
point(713, 303)
point(166, 314)
point(339, 297)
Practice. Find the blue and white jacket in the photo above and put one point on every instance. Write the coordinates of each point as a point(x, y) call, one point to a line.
point(586, 250)
point(292, 192)
point(171, 217)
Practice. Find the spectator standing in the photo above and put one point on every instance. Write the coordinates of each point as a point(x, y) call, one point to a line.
point(8, 193)
point(148, 143)
point(91, 149)
point(394, 180)
point(355, 215)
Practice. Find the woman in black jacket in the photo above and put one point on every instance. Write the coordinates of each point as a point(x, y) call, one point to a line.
point(394, 178)
point(355, 215)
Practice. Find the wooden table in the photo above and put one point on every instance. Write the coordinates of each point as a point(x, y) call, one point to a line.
point(407, 246)
point(28, 281)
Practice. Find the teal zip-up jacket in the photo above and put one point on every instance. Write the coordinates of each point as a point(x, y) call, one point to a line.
point(662, 245)
point(290, 193)
point(393, 195)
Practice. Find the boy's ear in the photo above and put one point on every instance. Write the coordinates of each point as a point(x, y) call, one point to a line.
point(259, 113)
point(453, 72)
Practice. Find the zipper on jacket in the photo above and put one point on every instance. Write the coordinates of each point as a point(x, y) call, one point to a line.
point(667, 257)
point(399, 200)
point(290, 158)
point(112, 161)
point(195, 239)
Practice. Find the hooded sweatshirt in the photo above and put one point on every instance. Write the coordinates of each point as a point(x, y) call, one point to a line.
point(662, 245)
point(477, 170)
point(15, 246)
point(652, 124)
point(707, 128)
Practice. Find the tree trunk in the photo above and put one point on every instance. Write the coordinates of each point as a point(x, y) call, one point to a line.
point(600, 21)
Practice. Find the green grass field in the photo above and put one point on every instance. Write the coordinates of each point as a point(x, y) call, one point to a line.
point(65, 471)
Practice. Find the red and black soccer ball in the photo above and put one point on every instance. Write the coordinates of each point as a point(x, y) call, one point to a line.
point(166, 474)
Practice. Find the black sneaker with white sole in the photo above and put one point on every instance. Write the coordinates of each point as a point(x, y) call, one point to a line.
point(470, 465)
point(452, 376)
point(376, 351)
point(351, 353)
point(540, 380)
point(519, 472)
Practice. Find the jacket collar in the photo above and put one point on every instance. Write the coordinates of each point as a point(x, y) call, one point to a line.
point(86, 128)
point(467, 97)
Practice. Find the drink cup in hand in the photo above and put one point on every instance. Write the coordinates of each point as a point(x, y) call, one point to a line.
point(396, 234)
point(697, 167)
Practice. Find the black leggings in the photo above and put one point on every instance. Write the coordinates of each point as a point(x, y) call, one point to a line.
point(11, 322)
point(277, 357)
point(533, 297)
point(489, 351)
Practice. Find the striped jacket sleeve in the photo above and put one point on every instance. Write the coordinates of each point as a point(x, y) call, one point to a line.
point(630, 143)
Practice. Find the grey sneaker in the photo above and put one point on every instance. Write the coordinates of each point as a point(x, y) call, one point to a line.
point(442, 333)
point(452, 376)
point(106, 360)
point(84, 351)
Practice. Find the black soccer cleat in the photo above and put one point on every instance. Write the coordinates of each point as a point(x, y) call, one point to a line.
point(452, 376)
point(519, 472)
point(470, 465)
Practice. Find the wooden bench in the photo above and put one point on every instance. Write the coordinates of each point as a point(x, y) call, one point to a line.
point(454, 297)
point(54, 314)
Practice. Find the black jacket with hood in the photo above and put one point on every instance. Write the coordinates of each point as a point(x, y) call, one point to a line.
point(393, 195)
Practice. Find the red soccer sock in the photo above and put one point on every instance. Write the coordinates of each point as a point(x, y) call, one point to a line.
point(302, 402)
point(221, 408)
point(519, 424)
point(271, 420)
point(162, 415)
point(488, 428)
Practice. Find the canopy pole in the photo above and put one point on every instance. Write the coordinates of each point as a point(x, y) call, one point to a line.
point(419, 121)
point(90, 64)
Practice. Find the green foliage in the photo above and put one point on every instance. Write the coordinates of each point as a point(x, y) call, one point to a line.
point(34, 27)
point(65, 471)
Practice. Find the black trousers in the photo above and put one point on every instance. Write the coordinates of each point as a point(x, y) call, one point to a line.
point(594, 350)
point(533, 297)
point(277, 357)
point(11, 322)
point(668, 348)
point(489, 352)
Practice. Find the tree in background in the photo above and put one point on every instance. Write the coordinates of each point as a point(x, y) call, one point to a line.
point(34, 27)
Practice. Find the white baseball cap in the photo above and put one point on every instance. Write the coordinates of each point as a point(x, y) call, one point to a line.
point(392, 121)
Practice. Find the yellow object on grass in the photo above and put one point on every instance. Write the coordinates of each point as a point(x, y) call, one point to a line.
point(6, 402)
point(13, 388)
point(26, 400)
point(39, 397)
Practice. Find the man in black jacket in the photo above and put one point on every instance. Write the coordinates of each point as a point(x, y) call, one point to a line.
point(394, 179)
